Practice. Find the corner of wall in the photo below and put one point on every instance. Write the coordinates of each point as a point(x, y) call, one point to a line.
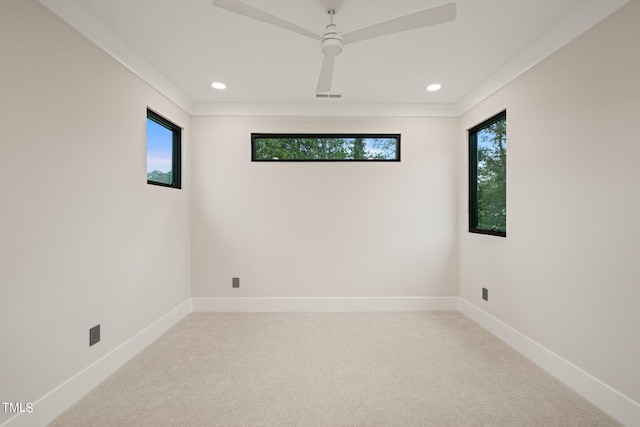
point(597, 392)
point(51, 405)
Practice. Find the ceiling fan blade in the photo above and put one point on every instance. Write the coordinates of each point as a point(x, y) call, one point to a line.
point(260, 15)
point(326, 74)
point(433, 16)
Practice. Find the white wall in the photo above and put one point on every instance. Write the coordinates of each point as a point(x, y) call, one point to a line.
point(84, 240)
point(324, 229)
point(567, 275)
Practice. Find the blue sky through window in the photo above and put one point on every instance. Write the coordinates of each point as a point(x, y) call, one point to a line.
point(159, 147)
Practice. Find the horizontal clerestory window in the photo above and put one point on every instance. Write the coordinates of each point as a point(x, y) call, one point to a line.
point(325, 147)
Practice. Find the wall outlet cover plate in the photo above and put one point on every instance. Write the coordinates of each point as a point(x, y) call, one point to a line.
point(94, 335)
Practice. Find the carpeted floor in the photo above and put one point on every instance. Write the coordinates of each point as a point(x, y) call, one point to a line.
point(331, 369)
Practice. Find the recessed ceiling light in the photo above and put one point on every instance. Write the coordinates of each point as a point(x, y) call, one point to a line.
point(218, 85)
point(434, 87)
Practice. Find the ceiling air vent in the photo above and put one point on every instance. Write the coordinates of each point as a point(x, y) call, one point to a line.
point(328, 95)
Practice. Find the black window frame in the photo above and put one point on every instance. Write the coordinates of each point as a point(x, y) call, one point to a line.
point(473, 175)
point(255, 136)
point(176, 150)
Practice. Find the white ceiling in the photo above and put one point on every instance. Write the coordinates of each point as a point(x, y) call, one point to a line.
point(180, 47)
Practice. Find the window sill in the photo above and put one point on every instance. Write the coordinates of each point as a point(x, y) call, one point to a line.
point(488, 232)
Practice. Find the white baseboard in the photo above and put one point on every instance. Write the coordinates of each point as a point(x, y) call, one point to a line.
point(325, 304)
point(600, 394)
point(48, 407)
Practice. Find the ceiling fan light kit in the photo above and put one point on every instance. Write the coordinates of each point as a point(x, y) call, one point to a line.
point(332, 40)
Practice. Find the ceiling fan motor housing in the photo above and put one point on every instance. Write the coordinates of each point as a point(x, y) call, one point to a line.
point(332, 41)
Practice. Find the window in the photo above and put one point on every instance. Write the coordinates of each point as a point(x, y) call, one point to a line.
point(325, 147)
point(488, 176)
point(163, 151)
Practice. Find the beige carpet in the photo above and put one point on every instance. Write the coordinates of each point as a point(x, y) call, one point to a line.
point(331, 369)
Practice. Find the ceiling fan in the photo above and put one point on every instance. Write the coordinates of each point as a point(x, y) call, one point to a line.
point(332, 40)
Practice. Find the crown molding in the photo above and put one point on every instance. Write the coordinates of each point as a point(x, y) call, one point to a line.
point(586, 16)
point(324, 108)
point(582, 19)
point(92, 28)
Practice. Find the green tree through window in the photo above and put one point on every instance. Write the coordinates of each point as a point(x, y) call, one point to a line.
point(292, 147)
point(488, 176)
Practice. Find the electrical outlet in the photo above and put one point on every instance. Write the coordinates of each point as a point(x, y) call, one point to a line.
point(235, 282)
point(485, 294)
point(94, 335)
